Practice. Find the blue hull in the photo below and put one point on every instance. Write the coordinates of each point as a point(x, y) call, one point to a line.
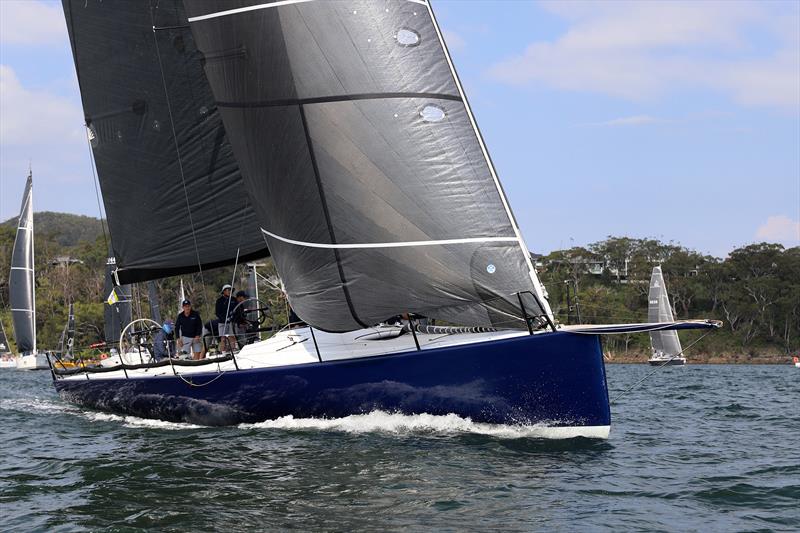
point(556, 379)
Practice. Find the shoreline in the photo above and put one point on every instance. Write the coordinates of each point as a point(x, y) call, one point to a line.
point(705, 359)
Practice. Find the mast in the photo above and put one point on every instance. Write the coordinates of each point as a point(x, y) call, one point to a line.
point(155, 305)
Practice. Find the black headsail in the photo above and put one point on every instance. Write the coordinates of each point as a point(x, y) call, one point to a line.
point(372, 185)
point(164, 163)
point(21, 278)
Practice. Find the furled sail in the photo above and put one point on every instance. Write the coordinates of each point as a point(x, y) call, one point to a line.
point(664, 343)
point(22, 292)
point(372, 185)
point(68, 334)
point(172, 190)
point(155, 304)
point(117, 308)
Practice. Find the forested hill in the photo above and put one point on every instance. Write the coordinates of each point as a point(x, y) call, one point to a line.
point(755, 291)
point(65, 229)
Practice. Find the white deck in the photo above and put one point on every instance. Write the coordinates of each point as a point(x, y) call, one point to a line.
point(296, 347)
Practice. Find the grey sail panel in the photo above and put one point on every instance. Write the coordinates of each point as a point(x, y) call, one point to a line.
point(116, 315)
point(152, 196)
point(664, 343)
point(21, 278)
point(369, 180)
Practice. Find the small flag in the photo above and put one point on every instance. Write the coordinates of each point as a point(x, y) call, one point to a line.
point(112, 298)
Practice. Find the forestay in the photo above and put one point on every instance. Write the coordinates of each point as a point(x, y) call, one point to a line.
point(140, 75)
point(21, 279)
point(371, 183)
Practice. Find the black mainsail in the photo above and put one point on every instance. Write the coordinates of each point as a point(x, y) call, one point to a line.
point(370, 180)
point(172, 190)
point(22, 291)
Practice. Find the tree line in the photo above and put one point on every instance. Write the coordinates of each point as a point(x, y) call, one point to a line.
point(755, 291)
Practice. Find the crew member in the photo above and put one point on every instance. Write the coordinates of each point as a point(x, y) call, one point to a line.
point(189, 330)
point(163, 342)
point(224, 309)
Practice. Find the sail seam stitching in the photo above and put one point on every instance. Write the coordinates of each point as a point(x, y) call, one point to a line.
point(339, 98)
point(466, 240)
point(331, 232)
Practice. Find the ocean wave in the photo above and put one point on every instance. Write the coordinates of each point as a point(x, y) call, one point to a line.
point(37, 405)
point(401, 424)
point(136, 422)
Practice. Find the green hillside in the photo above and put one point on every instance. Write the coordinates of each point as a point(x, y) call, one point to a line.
point(65, 229)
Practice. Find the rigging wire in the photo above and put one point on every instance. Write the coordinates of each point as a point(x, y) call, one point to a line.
point(656, 369)
point(180, 161)
point(95, 180)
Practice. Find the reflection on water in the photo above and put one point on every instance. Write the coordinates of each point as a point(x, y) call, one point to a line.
point(701, 446)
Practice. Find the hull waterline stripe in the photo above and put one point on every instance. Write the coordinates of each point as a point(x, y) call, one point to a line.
point(265, 6)
point(339, 98)
point(468, 240)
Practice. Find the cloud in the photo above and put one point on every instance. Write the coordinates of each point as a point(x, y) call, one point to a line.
point(635, 120)
point(35, 117)
point(643, 50)
point(28, 22)
point(780, 228)
point(454, 41)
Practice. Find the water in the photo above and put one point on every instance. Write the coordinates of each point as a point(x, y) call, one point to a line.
point(712, 448)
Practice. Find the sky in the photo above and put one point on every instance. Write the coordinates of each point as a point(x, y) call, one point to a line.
point(670, 120)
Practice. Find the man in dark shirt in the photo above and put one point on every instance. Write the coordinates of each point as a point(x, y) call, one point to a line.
point(189, 330)
point(224, 310)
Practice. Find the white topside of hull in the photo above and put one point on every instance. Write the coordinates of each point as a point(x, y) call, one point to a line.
point(296, 347)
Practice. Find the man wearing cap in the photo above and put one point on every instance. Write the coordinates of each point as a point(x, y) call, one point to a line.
point(188, 330)
point(224, 310)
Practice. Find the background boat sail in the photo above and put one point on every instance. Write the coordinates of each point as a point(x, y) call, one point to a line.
point(22, 288)
point(342, 130)
point(665, 345)
point(7, 359)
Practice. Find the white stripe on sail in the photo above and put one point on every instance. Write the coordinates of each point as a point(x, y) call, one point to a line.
point(391, 244)
point(22, 268)
point(264, 6)
point(22, 310)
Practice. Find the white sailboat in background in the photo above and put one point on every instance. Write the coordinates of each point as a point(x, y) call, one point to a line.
point(22, 288)
point(665, 345)
point(7, 359)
